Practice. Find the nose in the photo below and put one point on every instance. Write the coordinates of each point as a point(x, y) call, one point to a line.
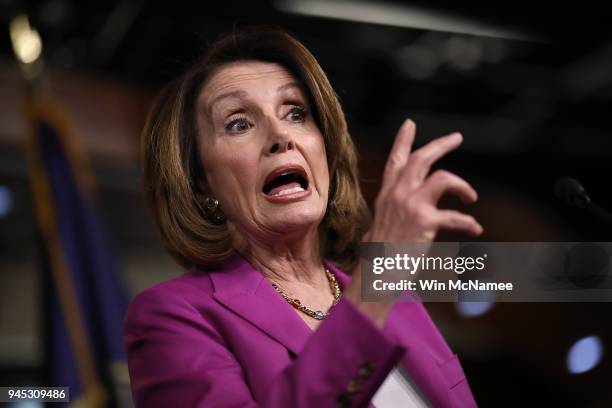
point(280, 140)
point(281, 146)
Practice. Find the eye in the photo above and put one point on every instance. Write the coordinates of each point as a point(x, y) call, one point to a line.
point(297, 114)
point(238, 125)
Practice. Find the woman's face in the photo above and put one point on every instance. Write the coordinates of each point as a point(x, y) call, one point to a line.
point(263, 154)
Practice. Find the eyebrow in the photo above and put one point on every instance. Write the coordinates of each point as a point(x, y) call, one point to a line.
point(290, 85)
point(233, 94)
point(242, 94)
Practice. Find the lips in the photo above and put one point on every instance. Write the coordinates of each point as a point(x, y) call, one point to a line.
point(287, 181)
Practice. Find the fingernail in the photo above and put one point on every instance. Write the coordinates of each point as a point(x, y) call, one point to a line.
point(408, 122)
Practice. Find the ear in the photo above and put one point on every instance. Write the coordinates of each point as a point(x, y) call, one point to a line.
point(202, 189)
point(199, 181)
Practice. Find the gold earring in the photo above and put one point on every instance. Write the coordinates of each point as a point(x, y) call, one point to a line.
point(212, 211)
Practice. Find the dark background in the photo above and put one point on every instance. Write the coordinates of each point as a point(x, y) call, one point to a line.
point(531, 110)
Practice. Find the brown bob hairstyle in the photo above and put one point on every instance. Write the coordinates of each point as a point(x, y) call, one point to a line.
point(173, 172)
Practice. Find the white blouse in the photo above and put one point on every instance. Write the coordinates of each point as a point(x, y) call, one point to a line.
point(399, 390)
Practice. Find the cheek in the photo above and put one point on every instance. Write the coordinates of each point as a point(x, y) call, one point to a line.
point(232, 177)
point(321, 167)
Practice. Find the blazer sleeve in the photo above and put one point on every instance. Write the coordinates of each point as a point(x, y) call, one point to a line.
point(177, 358)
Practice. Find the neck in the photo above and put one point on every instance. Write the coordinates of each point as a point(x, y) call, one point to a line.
point(286, 259)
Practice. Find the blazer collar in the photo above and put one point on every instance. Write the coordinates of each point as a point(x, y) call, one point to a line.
point(244, 290)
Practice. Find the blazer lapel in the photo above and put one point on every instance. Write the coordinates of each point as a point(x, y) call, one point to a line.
point(244, 290)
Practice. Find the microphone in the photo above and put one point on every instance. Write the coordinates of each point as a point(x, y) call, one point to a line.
point(570, 191)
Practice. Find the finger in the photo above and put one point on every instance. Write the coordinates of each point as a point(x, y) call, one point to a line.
point(442, 182)
point(422, 159)
point(454, 220)
point(400, 151)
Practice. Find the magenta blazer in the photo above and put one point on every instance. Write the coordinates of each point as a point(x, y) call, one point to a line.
point(226, 338)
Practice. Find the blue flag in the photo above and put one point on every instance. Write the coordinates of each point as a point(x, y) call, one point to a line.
point(85, 300)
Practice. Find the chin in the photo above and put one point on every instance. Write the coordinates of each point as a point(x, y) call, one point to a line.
point(293, 219)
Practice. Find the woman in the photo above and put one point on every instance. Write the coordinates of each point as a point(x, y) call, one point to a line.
point(252, 176)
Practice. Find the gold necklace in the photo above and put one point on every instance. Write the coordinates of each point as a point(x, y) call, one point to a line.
point(318, 314)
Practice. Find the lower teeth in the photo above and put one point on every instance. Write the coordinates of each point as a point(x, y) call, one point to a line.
point(289, 191)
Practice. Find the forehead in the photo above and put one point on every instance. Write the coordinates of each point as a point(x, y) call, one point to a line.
point(244, 75)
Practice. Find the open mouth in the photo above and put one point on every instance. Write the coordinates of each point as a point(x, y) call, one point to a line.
point(286, 180)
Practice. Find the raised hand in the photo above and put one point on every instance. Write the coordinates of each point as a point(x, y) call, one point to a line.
point(406, 209)
point(406, 206)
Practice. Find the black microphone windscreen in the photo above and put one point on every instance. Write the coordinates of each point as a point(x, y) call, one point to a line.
point(570, 191)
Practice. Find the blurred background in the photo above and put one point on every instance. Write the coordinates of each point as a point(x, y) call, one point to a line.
point(529, 86)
